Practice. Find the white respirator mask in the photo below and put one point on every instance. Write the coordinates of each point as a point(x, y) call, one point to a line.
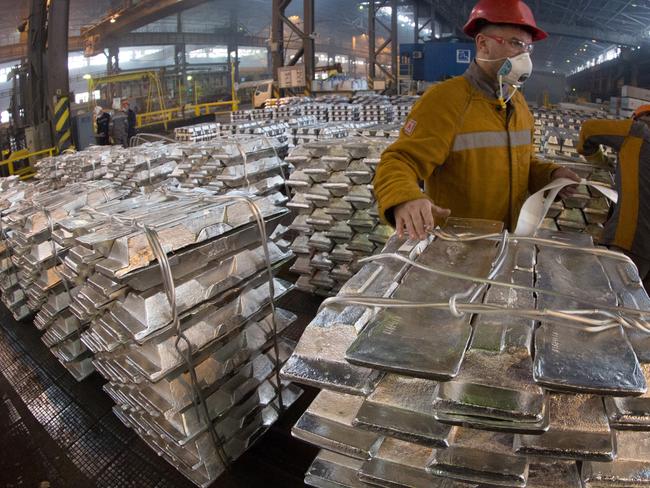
point(514, 71)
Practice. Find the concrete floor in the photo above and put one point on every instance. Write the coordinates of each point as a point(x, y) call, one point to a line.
point(55, 432)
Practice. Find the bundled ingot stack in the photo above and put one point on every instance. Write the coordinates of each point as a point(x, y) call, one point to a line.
point(223, 300)
point(335, 211)
point(431, 396)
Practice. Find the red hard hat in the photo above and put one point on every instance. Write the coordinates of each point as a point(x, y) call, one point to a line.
point(513, 12)
point(642, 110)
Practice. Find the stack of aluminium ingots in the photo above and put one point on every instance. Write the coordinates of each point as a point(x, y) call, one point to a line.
point(251, 163)
point(12, 193)
point(38, 250)
point(198, 132)
point(455, 384)
point(219, 343)
point(335, 211)
point(586, 211)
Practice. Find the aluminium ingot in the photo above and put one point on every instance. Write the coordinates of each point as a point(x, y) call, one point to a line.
point(338, 184)
point(597, 211)
point(150, 310)
point(494, 388)
point(402, 341)
point(341, 233)
point(128, 251)
point(630, 413)
point(624, 278)
point(300, 205)
point(319, 241)
point(317, 195)
point(300, 245)
point(571, 219)
point(320, 220)
point(362, 244)
point(580, 199)
point(332, 470)
point(579, 430)
point(477, 456)
point(179, 424)
point(319, 357)
point(362, 221)
point(400, 463)
point(401, 407)
point(339, 209)
point(561, 360)
point(322, 262)
point(629, 469)
point(360, 173)
point(360, 196)
point(328, 423)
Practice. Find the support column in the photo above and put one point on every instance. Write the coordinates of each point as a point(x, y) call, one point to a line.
point(391, 40)
point(308, 42)
point(58, 86)
point(180, 59)
point(37, 37)
point(277, 39)
point(233, 47)
point(372, 56)
point(394, 43)
point(416, 19)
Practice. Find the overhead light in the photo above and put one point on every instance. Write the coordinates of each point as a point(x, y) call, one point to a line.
point(568, 60)
point(189, 77)
point(553, 72)
point(114, 19)
point(87, 76)
point(593, 40)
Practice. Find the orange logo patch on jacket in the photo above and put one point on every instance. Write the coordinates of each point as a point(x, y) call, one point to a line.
point(410, 126)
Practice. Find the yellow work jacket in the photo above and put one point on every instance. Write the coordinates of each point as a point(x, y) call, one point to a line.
point(474, 157)
point(629, 225)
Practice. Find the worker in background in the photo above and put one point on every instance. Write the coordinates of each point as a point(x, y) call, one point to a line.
point(628, 229)
point(102, 125)
point(469, 139)
point(120, 128)
point(130, 117)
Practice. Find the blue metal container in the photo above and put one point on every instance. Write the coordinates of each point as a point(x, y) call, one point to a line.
point(435, 60)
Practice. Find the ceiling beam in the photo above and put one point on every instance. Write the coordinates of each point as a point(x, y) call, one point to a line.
point(131, 18)
point(223, 38)
point(600, 35)
point(15, 52)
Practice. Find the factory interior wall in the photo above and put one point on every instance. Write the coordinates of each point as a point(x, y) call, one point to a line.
point(541, 81)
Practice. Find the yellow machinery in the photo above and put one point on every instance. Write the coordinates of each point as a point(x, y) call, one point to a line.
point(27, 171)
point(163, 115)
point(155, 90)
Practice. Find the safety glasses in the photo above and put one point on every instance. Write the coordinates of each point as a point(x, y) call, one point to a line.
point(515, 43)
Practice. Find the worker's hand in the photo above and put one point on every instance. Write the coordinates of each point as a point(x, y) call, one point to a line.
point(417, 217)
point(567, 191)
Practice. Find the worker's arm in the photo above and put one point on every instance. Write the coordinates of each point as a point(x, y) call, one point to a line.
point(610, 133)
point(424, 143)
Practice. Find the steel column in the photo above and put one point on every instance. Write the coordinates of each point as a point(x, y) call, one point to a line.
point(392, 40)
point(394, 45)
point(308, 43)
point(372, 56)
point(277, 38)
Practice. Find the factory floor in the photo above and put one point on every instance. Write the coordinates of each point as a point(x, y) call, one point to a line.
point(55, 432)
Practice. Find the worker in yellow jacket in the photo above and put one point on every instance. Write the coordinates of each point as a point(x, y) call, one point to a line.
point(469, 139)
point(628, 229)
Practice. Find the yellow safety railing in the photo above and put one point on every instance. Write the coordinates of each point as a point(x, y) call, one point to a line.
point(158, 117)
point(28, 171)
